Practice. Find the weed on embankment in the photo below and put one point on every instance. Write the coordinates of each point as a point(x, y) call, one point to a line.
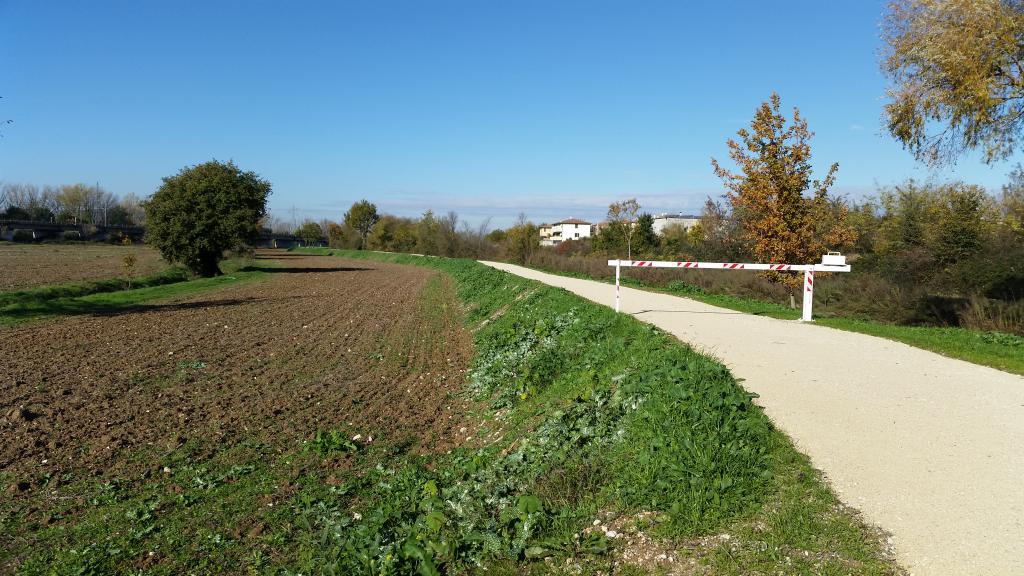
point(593, 415)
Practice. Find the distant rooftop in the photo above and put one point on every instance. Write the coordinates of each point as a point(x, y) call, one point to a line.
point(677, 215)
point(573, 221)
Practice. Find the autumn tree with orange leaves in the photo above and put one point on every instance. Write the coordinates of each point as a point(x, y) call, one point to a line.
point(785, 216)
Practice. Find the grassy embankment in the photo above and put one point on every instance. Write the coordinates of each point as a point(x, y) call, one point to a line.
point(113, 295)
point(586, 415)
point(599, 417)
point(994, 349)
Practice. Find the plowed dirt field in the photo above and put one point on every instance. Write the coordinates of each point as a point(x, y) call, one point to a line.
point(25, 266)
point(322, 344)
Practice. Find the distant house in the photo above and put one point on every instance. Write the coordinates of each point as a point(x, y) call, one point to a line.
point(597, 228)
point(545, 234)
point(568, 229)
point(662, 221)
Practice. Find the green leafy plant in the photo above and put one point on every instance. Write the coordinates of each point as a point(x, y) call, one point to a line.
point(330, 442)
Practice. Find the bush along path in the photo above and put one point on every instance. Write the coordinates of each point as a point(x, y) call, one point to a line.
point(605, 446)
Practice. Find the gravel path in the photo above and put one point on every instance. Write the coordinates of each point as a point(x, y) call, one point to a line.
point(929, 448)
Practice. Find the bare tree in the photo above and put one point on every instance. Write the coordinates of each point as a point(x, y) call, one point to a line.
point(325, 224)
point(77, 203)
point(448, 227)
point(101, 204)
point(22, 195)
point(277, 225)
point(49, 199)
point(132, 206)
point(481, 235)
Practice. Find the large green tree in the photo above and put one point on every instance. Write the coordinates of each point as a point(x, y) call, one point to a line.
point(310, 232)
point(957, 76)
point(950, 222)
point(393, 234)
point(645, 241)
point(204, 210)
point(361, 217)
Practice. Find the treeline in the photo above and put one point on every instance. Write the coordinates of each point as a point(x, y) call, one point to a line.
point(363, 227)
point(70, 204)
point(947, 238)
point(928, 253)
point(926, 231)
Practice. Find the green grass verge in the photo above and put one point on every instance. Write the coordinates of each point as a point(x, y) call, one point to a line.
point(78, 289)
point(111, 296)
point(994, 349)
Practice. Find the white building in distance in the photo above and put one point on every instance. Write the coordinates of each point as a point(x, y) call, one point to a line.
point(568, 229)
point(662, 221)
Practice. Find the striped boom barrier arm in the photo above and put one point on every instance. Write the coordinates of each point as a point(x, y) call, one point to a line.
point(807, 269)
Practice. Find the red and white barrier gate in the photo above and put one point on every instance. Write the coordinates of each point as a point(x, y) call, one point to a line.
point(831, 262)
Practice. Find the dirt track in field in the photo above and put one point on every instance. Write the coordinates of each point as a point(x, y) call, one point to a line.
point(321, 344)
point(24, 266)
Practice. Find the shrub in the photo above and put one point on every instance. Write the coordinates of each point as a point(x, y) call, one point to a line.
point(204, 210)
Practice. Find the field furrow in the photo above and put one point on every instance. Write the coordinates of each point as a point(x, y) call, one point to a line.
point(271, 360)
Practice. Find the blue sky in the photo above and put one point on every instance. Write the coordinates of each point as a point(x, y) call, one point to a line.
point(484, 107)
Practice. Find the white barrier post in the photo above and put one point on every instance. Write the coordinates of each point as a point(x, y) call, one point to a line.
point(831, 262)
point(617, 267)
point(808, 295)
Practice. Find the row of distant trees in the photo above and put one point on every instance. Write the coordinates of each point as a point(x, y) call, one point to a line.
point(363, 226)
point(936, 253)
point(914, 229)
point(72, 204)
